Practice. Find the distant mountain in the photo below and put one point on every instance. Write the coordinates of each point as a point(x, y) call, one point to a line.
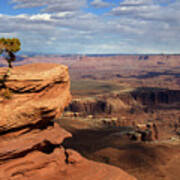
point(37, 54)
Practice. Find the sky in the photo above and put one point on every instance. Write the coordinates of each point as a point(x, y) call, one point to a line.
point(93, 26)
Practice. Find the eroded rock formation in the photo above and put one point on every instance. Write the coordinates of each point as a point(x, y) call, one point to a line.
point(30, 141)
point(138, 100)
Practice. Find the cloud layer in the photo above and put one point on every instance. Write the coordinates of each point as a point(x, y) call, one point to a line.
point(66, 26)
point(51, 6)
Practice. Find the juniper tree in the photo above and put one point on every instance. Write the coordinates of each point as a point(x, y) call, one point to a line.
point(9, 47)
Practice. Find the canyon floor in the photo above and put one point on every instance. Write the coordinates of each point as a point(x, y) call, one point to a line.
point(158, 160)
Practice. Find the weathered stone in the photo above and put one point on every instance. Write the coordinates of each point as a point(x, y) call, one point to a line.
point(39, 93)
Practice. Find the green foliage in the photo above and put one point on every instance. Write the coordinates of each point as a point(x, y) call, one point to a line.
point(13, 45)
point(10, 46)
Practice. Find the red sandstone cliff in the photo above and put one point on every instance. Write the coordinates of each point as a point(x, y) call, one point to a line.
point(30, 142)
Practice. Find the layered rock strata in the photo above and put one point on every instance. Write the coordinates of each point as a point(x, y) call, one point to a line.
point(30, 140)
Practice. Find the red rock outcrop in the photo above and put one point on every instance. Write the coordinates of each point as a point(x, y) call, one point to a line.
point(39, 93)
point(30, 141)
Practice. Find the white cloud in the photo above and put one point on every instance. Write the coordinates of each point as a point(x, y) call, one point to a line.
point(51, 6)
point(136, 2)
point(131, 7)
point(43, 17)
point(148, 19)
point(64, 14)
point(100, 4)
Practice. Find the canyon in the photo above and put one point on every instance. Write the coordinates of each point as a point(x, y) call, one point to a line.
point(124, 112)
point(32, 98)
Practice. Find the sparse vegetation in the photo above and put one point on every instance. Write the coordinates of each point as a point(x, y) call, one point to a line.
point(8, 48)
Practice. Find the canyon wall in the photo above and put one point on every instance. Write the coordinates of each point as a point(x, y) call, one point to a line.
point(137, 100)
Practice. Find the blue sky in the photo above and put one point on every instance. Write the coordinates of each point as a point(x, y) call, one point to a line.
point(93, 26)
